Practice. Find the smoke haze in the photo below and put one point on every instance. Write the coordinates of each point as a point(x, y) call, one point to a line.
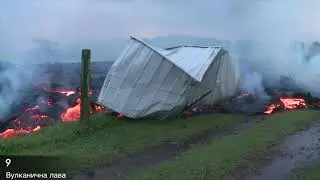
point(261, 33)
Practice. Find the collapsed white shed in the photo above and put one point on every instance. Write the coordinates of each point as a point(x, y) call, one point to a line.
point(145, 80)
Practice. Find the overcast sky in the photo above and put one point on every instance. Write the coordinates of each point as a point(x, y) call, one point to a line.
point(80, 21)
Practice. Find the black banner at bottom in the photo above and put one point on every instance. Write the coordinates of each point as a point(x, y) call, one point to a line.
point(32, 167)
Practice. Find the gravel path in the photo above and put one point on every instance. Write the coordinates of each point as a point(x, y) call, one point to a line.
point(296, 150)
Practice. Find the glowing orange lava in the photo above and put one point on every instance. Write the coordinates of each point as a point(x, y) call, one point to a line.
point(20, 126)
point(73, 113)
point(65, 92)
point(120, 116)
point(293, 103)
point(39, 116)
point(15, 132)
point(270, 108)
point(244, 94)
point(287, 103)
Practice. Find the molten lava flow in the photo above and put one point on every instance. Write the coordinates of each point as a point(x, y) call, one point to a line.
point(270, 108)
point(73, 113)
point(20, 127)
point(287, 103)
point(244, 94)
point(31, 118)
point(39, 116)
point(15, 132)
point(68, 92)
point(99, 108)
point(32, 109)
point(293, 103)
point(120, 116)
point(65, 92)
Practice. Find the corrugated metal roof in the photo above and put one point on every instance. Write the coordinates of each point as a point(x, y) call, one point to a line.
point(195, 46)
point(194, 60)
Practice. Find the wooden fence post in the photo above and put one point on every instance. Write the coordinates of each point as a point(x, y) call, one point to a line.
point(85, 86)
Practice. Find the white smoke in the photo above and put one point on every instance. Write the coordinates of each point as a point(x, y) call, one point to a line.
point(269, 32)
point(273, 61)
point(14, 79)
point(252, 83)
point(308, 75)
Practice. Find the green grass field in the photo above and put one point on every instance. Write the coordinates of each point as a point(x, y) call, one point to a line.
point(108, 138)
point(218, 159)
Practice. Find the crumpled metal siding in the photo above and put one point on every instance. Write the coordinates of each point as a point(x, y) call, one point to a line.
point(213, 65)
point(145, 80)
point(222, 78)
point(142, 82)
point(194, 60)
